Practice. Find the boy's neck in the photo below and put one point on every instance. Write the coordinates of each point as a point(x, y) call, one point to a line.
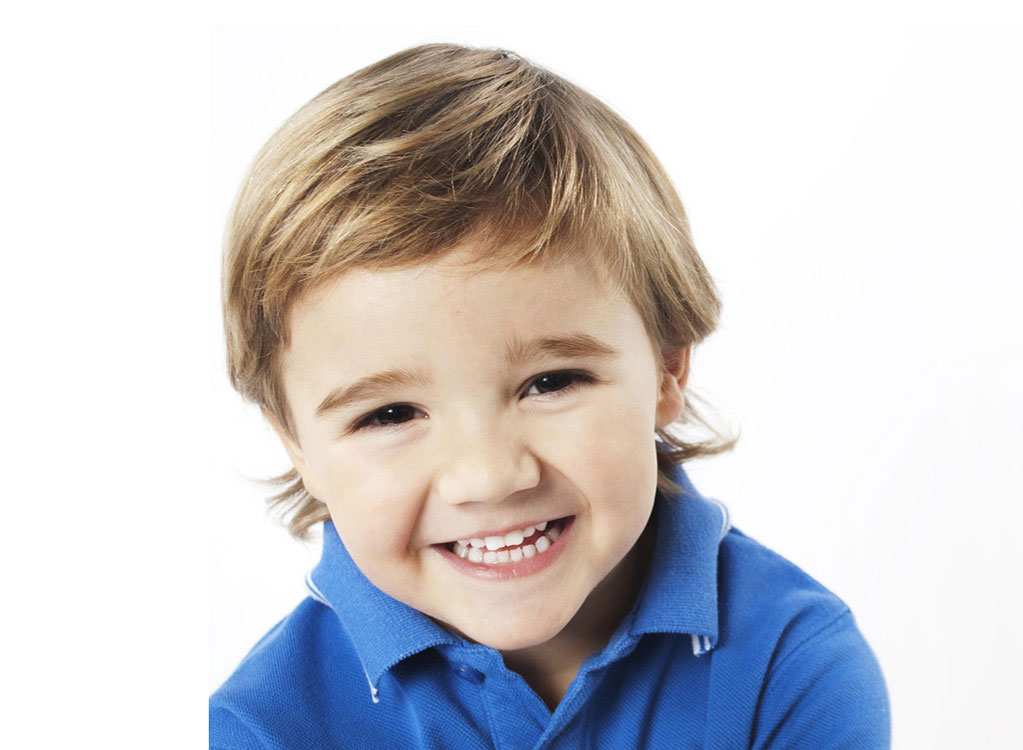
point(550, 667)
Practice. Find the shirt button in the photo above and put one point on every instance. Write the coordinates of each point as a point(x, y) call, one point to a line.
point(467, 673)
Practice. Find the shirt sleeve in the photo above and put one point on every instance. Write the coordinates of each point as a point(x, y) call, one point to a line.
point(228, 732)
point(827, 693)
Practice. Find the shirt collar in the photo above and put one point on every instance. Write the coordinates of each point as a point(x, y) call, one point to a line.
point(678, 596)
point(383, 630)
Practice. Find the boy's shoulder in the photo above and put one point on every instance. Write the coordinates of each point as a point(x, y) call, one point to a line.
point(303, 662)
point(768, 605)
point(760, 589)
point(793, 649)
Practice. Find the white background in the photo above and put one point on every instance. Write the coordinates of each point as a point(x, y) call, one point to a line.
point(853, 183)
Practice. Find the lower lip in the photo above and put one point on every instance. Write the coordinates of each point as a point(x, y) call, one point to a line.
point(511, 570)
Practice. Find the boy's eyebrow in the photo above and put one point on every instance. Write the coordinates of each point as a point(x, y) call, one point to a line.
point(369, 387)
point(572, 345)
point(376, 385)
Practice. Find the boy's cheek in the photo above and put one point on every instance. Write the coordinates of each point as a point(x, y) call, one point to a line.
point(375, 508)
point(377, 546)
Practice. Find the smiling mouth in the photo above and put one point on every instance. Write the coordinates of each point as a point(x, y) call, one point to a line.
point(511, 547)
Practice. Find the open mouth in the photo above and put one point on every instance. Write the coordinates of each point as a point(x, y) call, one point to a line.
point(512, 547)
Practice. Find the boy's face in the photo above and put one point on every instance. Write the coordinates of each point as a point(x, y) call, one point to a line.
point(462, 438)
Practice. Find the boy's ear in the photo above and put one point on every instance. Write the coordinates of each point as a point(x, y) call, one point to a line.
point(296, 454)
point(671, 399)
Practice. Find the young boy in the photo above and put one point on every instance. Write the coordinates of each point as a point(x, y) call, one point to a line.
point(464, 293)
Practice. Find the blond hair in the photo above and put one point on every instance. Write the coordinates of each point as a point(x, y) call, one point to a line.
point(399, 162)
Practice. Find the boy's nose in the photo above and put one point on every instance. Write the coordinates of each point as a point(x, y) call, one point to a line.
point(485, 466)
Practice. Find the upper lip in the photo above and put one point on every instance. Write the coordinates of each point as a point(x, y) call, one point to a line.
point(503, 530)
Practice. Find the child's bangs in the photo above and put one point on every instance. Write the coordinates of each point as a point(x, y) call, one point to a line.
point(499, 160)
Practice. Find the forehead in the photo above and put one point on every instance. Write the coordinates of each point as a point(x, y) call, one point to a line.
point(365, 318)
point(458, 287)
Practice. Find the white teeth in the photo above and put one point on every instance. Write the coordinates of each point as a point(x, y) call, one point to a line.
point(495, 549)
point(511, 539)
point(496, 557)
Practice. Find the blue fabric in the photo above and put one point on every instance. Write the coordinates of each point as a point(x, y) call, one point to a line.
point(728, 646)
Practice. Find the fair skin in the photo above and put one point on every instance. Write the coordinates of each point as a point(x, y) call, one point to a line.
point(486, 433)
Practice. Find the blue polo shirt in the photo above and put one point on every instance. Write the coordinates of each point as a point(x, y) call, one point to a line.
point(728, 646)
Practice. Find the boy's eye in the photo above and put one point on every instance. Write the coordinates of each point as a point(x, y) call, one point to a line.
point(393, 414)
point(556, 382)
point(550, 382)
